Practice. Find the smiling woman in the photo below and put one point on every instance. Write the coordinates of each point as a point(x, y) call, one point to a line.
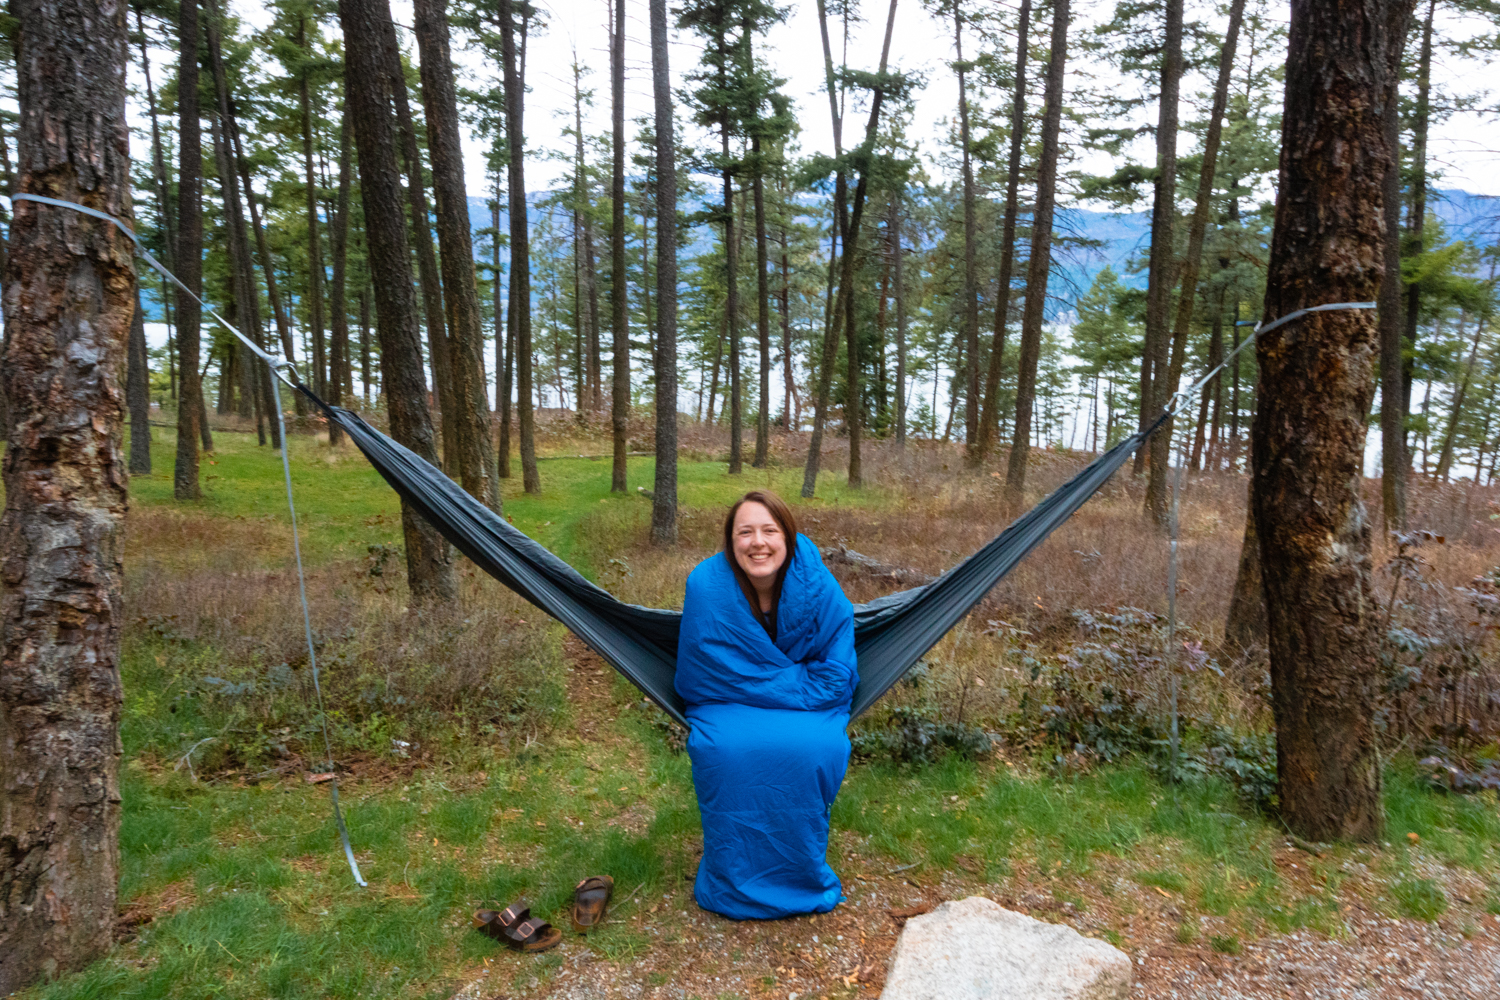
point(766, 665)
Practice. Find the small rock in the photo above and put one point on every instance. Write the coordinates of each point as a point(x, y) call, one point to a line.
point(973, 949)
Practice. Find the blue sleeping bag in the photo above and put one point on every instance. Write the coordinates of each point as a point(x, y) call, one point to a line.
point(767, 739)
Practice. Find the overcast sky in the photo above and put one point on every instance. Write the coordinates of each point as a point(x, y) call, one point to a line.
point(1466, 148)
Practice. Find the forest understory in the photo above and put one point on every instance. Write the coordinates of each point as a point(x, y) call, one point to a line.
point(485, 755)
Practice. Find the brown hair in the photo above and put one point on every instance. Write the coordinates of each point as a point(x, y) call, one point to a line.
point(782, 515)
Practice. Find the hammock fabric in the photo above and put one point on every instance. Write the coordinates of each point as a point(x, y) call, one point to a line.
point(890, 633)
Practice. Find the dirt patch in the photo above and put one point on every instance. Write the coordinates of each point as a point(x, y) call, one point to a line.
point(679, 951)
point(144, 909)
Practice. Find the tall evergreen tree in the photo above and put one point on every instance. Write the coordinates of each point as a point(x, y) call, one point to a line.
point(429, 569)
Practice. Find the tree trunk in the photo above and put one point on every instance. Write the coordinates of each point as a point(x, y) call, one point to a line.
point(138, 392)
point(840, 237)
point(70, 292)
point(1041, 257)
point(732, 307)
point(189, 255)
point(1395, 464)
point(475, 460)
point(429, 568)
point(1316, 383)
point(1156, 383)
point(971, 283)
point(1206, 444)
point(365, 370)
point(619, 288)
point(664, 502)
point(338, 293)
point(1417, 219)
point(158, 159)
point(787, 375)
point(1187, 297)
point(520, 247)
point(1445, 452)
point(314, 244)
point(438, 345)
point(852, 225)
point(246, 292)
point(1245, 628)
point(900, 276)
point(989, 417)
point(502, 346)
point(762, 306)
point(237, 155)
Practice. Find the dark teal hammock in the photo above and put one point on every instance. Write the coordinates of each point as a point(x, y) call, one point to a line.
point(890, 633)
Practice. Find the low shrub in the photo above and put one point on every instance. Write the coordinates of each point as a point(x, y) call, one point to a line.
point(914, 735)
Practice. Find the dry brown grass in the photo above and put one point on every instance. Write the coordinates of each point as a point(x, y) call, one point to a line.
point(213, 602)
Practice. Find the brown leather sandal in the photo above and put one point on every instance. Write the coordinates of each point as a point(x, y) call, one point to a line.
point(590, 899)
point(493, 925)
point(533, 934)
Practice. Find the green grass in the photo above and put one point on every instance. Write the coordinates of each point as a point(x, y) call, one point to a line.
point(256, 899)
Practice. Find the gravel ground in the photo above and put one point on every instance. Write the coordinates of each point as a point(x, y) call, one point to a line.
point(844, 954)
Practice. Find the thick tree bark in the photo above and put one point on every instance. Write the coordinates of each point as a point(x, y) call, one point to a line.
point(138, 392)
point(70, 294)
point(475, 461)
point(339, 367)
point(664, 502)
point(1187, 297)
point(1156, 385)
point(189, 255)
point(1316, 383)
point(520, 247)
point(429, 568)
point(970, 301)
point(619, 287)
point(989, 419)
point(1041, 258)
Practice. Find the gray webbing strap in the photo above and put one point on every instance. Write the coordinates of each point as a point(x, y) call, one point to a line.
point(1179, 398)
point(276, 365)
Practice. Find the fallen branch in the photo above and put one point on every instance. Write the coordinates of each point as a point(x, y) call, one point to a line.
point(845, 556)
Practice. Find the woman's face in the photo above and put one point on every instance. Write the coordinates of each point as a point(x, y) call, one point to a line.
point(759, 542)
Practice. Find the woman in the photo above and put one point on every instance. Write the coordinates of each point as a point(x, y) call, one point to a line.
point(766, 666)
